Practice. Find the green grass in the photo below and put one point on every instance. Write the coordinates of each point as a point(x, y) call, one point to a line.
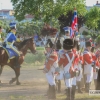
point(59, 97)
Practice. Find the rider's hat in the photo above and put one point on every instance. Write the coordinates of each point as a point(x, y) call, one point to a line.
point(12, 25)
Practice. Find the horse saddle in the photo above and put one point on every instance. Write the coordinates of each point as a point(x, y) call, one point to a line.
point(11, 53)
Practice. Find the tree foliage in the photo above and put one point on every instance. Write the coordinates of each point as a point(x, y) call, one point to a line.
point(91, 34)
point(92, 18)
point(46, 9)
point(66, 20)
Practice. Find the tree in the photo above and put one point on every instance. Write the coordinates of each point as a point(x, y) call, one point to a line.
point(92, 21)
point(46, 9)
point(5, 25)
point(92, 17)
point(66, 20)
point(91, 34)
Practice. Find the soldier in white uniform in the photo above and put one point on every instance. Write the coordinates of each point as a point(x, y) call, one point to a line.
point(77, 64)
point(66, 60)
point(88, 65)
point(50, 66)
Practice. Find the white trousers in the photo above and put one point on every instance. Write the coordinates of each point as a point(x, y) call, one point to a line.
point(74, 81)
point(68, 82)
point(60, 76)
point(78, 78)
point(79, 67)
point(95, 74)
point(89, 77)
point(50, 78)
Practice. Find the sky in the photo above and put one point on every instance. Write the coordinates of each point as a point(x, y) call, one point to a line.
point(6, 4)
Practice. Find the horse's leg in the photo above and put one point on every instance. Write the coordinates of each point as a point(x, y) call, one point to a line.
point(1, 68)
point(13, 79)
point(17, 71)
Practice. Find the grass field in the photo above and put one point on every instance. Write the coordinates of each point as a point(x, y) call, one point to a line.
point(59, 97)
point(33, 82)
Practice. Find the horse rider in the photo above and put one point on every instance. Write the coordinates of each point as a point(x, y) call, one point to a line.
point(66, 61)
point(89, 63)
point(51, 64)
point(10, 39)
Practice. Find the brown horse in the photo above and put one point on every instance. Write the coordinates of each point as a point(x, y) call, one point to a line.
point(22, 47)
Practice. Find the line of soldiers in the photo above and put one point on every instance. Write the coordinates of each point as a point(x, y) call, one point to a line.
point(70, 64)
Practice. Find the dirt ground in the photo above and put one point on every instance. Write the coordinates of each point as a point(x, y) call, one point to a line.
point(33, 85)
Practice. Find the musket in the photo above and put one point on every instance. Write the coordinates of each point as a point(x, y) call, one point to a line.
point(81, 50)
point(47, 57)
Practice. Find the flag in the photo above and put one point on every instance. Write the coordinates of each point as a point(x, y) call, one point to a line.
point(74, 23)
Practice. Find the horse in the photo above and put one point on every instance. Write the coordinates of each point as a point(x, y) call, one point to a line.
point(22, 47)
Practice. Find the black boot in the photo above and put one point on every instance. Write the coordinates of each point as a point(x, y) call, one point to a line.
point(98, 86)
point(73, 92)
point(17, 65)
point(95, 83)
point(59, 86)
point(49, 92)
point(79, 88)
point(56, 84)
point(66, 91)
point(53, 92)
point(87, 87)
point(68, 94)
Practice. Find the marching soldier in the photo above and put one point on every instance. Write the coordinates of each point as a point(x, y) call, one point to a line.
point(50, 66)
point(78, 64)
point(94, 69)
point(66, 60)
point(88, 65)
point(58, 79)
point(97, 70)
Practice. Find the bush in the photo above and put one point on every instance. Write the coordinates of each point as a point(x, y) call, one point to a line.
point(36, 59)
point(39, 48)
